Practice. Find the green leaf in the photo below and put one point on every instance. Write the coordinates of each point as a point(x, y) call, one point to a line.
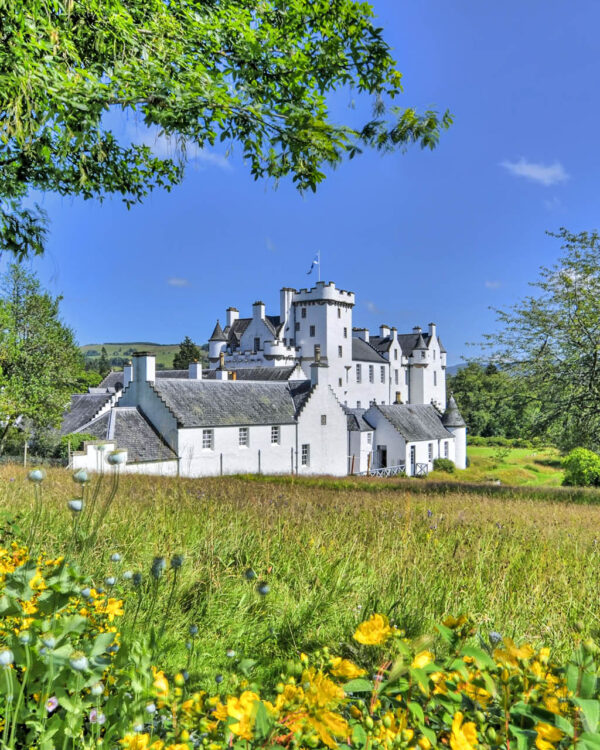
point(591, 713)
point(358, 686)
point(359, 736)
point(101, 642)
point(417, 711)
point(482, 660)
point(262, 723)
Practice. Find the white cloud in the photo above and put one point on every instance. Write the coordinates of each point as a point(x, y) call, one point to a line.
point(493, 284)
point(176, 281)
point(372, 308)
point(544, 174)
point(166, 147)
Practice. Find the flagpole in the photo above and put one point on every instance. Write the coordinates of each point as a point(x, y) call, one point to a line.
point(319, 254)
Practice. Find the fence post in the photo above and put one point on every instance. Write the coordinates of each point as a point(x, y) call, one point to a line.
point(292, 461)
point(259, 461)
point(369, 463)
point(25, 455)
point(221, 462)
point(352, 466)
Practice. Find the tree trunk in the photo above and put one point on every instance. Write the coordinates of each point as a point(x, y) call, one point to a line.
point(4, 434)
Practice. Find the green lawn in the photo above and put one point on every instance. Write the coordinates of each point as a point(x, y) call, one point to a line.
point(514, 466)
point(523, 566)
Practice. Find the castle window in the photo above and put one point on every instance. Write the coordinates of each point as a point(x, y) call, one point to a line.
point(423, 354)
point(305, 456)
point(382, 373)
point(371, 374)
point(434, 353)
point(312, 330)
point(323, 419)
point(256, 344)
point(275, 435)
point(434, 377)
point(303, 312)
point(370, 438)
point(243, 438)
point(405, 377)
point(339, 312)
point(358, 404)
point(430, 451)
point(345, 333)
point(297, 326)
point(358, 374)
point(445, 449)
point(396, 377)
point(208, 439)
point(340, 382)
point(340, 351)
point(395, 354)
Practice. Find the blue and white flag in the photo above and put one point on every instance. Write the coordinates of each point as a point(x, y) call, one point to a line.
point(313, 264)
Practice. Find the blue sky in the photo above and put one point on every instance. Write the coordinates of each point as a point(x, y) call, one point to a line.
point(422, 236)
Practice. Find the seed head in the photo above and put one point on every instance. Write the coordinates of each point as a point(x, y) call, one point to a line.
point(36, 476)
point(81, 476)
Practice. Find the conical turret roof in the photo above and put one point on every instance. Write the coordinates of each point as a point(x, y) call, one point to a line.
point(452, 416)
point(217, 334)
point(420, 342)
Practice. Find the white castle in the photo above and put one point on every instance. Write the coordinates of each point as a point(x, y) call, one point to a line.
point(302, 392)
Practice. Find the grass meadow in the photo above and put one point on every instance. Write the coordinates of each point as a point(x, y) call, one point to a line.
point(331, 553)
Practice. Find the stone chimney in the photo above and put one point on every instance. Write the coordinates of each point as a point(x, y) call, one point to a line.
point(384, 331)
point(221, 373)
point(417, 329)
point(127, 374)
point(319, 371)
point(394, 333)
point(195, 370)
point(232, 315)
point(361, 333)
point(144, 367)
point(258, 310)
point(433, 330)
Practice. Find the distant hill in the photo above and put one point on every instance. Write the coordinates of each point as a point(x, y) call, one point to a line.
point(453, 369)
point(120, 352)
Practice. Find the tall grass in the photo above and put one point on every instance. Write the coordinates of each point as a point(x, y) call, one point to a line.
point(523, 566)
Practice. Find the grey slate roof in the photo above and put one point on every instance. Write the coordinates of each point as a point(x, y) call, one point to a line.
point(172, 374)
point(356, 420)
point(234, 333)
point(112, 380)
point(202, 403)
point(84, 407)
point(256, 373)
point(452, 416)
point(217, 334)
point(363, 352)
point(442, 348)
point(415, 422)
point(132, 432)
point(421, 343)
point(381, 343)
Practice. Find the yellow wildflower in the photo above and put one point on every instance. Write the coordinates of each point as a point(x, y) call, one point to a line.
point(345, 668)
point(160, 684)
point(37, 583)
point(547, 736)
point(462, 736)
point(242, 710)
point(135, 741)
point(455, 622)
point(374, 632)
point(512, 654)
point(422, 659)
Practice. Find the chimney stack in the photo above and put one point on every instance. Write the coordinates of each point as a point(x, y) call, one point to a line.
point(361, 333)
point(258, 310)
point(432, 330)
point(417, 329)
point(221, 373)
point(232, 314)
point(127, 374)
point(384, 331)
point(195, 370)
point(144, 367)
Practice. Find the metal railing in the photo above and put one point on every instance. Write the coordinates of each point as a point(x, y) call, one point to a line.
point(387, 471)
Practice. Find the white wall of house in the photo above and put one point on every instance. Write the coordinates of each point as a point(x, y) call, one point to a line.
point(94, 455)
point(227, 456)
point(361, 447)
point(327, 443)
point(362, 394)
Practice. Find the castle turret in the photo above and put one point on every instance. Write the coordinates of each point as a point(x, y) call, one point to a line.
point(453, 421)
point(216, 344)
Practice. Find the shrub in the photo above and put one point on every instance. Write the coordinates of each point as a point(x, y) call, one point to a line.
point(582, 468)
point(444, 464)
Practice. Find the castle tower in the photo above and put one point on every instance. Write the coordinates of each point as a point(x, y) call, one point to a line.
point(454, 423)
point(216, 344)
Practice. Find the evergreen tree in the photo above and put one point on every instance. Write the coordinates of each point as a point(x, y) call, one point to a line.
point(104, 362)
point(188, 352)
point(39, 360)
